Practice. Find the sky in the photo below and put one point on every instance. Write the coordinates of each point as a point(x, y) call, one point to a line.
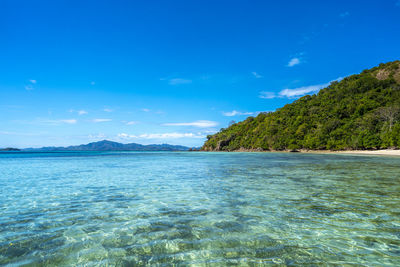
point(74, 72)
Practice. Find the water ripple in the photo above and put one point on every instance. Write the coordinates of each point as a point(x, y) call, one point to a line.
point(199, 209)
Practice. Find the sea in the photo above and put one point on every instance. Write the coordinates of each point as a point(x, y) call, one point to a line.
point(198, 209)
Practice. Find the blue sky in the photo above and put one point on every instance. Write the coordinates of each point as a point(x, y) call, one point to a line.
point(73, 72)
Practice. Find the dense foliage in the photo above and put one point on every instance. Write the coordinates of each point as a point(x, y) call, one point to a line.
point(360, 112)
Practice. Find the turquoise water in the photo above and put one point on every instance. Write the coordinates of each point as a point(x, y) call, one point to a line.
point(199, 209)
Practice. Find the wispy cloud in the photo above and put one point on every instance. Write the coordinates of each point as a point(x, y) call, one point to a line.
point(145, 110)
point(200, 124)
point(45, 121)
point(236, 113)
point(131, 122)
point(173, 135)
point(108, 110)
point(101, 120)
point(97, 136)
point(54, 122)
point(79, 112)
point(300, 91)
point(267, 95)
point(296, 92)
point(344, 14)
point(293, 62)
point(29, 86)
point(177, 81)
point(257, 75)
point(69, 121)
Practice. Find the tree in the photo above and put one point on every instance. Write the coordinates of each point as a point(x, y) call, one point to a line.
point(389, 114)
point(361, 111)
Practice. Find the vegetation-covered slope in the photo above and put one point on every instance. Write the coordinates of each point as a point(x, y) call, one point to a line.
point(360, 112)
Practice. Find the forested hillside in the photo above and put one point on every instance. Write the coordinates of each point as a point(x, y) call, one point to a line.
point(360, 112)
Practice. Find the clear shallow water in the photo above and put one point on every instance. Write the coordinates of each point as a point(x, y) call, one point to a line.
point(247, 209)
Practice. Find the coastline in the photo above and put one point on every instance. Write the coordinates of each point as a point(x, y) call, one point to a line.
point(381, 152)
point(378, 152)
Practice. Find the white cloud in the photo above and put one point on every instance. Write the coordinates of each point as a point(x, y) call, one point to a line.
point(200, 124)
point(97, 136)
point(44, 121)
point(267, 95)
point(33, 81)
point(300, 91)
point(344, 14)
point(55, 122)
point(145, 109)
point(69, 121)
point(236, 113)
point(101, 120)
point(173, 135)
point(293, 62)
point(108, 110)
point(131, 122)
point(80, 112)
point(257, 75)
point(297, 92)
point(125, 136)
point(177, 81)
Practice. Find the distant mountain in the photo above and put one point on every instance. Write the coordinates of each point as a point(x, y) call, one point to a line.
point(360, 112)
point(106, 145)
point(9, 149)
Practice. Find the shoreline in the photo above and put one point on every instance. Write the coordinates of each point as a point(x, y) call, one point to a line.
point(378, 152)
point(382, 152)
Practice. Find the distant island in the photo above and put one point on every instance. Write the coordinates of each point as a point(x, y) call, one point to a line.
point(358, 113)
point(10, 149)
point(106, 145)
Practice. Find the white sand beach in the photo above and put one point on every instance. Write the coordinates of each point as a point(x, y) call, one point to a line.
point(386, 152)
point(383, 152)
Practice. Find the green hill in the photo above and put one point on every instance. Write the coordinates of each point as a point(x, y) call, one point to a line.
point(360, 112)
